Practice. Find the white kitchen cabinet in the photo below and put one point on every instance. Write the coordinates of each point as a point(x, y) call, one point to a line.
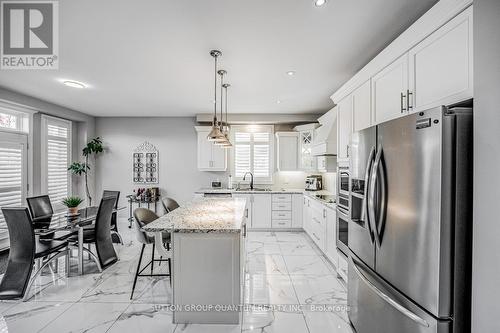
point(307, 162)
point(297, 215)
point(287, 152)
point(331, 235)
point(361, 107)
point(306, 214)
point(249, 208)
point(441, 65)
point(327, 163)
point(210, 156)
point(262, 211)
point(389, 91)
point(344, 127)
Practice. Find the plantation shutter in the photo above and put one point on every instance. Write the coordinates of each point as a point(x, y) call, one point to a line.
point(12, 177)
point(57, 149)
point(252, 153)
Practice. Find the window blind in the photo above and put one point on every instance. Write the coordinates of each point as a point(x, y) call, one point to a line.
point(252, 153)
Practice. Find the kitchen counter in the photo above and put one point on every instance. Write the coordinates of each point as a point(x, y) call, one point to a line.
point(205, 215)
point(209, 190)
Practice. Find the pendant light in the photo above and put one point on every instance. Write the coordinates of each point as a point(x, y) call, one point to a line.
point(225, 130)
point(215, 134)
point(224, 141)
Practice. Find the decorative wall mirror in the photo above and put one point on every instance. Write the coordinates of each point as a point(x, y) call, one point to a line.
point(145, 164)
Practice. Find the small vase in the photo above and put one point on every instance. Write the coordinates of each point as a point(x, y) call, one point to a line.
point(72, 210)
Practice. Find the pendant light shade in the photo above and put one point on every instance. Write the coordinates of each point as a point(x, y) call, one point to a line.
point(215, 134)
point(225, 130)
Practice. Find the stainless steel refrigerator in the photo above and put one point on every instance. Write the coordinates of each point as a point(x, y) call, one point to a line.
point(410, 228)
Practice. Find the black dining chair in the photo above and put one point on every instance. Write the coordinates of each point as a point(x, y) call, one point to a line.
point(41, 212)
point(100, 235)
point(169, 204)
point(115, 236)
point(143, 217)
point(24, 250)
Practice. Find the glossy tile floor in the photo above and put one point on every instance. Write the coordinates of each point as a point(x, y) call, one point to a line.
point(289, 288)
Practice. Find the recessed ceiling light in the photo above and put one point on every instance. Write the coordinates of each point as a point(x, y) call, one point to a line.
point(74, 84)
point(319, 3)
point(278, 101)
point(290, 73)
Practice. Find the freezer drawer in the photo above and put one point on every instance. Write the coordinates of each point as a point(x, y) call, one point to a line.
point(375, 307)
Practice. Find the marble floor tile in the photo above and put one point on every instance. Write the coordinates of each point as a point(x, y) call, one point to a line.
point(86, 317)
point(196, 328)
point(312, 265)
point(269, 264)
point(158, 291)
point(269, 289)
point(149, 318)
point(273, 322)
point(298, 249)
point(116, 288)
point(319, 289)
point(68, 289)
point(261, 247)
point(321, 322)
point(291, 237)
point(26, 316)
point(262, 236)
point(6, 305)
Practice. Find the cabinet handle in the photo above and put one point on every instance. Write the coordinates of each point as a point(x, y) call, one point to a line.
point(408, 104)
point(403, 97)
point(246, 212)
point(324, 213)
point(347, 150)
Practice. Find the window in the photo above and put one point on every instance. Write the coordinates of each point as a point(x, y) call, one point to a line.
point(56, 154)
point(13, 176)
point(12, 120)
point(252, 152)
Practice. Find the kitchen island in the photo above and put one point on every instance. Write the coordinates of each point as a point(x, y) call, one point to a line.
point(208, 249)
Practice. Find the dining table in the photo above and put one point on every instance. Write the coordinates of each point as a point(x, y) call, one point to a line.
point(62, 221)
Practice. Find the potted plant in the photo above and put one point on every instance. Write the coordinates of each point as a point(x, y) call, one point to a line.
point(93, 147)
point(72, 203)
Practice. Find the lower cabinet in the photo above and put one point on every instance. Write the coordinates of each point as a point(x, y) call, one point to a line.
point(331, 236)
point(261, 215)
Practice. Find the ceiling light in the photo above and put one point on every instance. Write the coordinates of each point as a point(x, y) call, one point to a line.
point(278, 101)
point(75, 84)
point(290, 73)
point(319, 3)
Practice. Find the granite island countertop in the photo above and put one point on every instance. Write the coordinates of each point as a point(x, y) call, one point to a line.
point(203, 215)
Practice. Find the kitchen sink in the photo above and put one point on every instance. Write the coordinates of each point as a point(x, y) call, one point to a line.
point(256, 189)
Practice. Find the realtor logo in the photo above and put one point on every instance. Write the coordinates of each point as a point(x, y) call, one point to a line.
point(29, 34)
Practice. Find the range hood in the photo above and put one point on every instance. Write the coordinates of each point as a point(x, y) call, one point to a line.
point(325, 137)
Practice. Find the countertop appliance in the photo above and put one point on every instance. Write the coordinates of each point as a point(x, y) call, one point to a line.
point(410, 245)
point(314, 183)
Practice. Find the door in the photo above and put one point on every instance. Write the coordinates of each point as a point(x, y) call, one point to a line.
point(344, 123)
point(307, 161)
point(389, 91)
point(413, 236)
point(361, 238)
point(361, 107)
point(262, 211)
point(441, 65)
point(376, 307)
point(297, 206)
point(13, 176)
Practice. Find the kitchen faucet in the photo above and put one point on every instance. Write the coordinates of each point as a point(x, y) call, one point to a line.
point(251, 180)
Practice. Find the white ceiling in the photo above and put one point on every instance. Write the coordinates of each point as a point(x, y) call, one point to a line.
point(151, 58)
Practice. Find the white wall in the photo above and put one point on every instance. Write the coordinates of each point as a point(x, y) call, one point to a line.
point(176, 140)
point(486, 246)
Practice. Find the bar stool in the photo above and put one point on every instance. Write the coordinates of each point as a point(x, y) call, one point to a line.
point(143, 216)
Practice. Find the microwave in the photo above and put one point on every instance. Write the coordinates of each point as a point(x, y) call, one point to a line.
point(343, 180)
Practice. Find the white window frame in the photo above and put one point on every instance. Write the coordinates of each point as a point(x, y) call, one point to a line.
point(45, 120)
point(22, 123)
point(252, 129)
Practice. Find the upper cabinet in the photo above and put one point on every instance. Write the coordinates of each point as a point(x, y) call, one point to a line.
point(344, 127)
point(441, 65)
point(307, 162)
point(361, 107)
point(210, 156)
point(389, 91)
point(428, 65)
point(288, 148)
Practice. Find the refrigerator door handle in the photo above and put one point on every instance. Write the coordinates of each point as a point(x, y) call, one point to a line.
point(364, 212)
point(389, 300)
point(377, 169)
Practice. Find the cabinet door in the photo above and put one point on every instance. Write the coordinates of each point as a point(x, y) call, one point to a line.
point(307, 161)
point(344, 123)
point(287, 152)
point(361, 107)
point(331, 235)
point(441, 65)
point(204, 151)
point(389, 89)
point(248, 211)
point(218, 158)
point(297, 205)
point(306, 215)
point(262, 211)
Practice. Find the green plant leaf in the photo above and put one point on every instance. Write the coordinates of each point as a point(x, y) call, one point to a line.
point(72, 202)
